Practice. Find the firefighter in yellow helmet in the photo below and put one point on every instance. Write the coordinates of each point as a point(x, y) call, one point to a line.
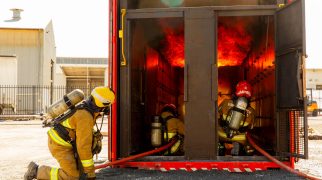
point(172, 127)
point(79, 128)
point(236, 116)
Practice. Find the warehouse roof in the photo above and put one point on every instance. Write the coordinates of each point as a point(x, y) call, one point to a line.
point(80, 67)
point(82, 60)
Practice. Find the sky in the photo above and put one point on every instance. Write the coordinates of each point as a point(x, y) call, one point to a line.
point(313, 13)
point(81, 26)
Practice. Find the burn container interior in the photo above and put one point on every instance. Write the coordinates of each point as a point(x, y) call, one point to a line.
point(157, 60)
point(193, 58)
point(245, 51)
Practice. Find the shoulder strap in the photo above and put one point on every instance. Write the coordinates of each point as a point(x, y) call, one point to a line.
point(167, 118)
point(65, 116)
point(85, 106)
point(72, 111)
point(62, 132)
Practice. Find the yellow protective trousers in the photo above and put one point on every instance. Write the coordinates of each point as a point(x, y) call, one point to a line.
point(65, 157)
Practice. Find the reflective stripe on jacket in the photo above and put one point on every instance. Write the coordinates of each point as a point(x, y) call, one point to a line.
point(176, 146)
point(174, 126)
point(55, 137)
point(88, 163)
point(66, 124)
point(79, 125)
point(54, 174)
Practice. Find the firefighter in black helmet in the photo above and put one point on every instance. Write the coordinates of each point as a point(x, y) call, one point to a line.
point(173, 126)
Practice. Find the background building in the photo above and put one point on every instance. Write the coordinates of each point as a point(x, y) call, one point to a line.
point(314, 85)
point(27, 58)
point(314, 79)
point(32, 44)
point(81, 73)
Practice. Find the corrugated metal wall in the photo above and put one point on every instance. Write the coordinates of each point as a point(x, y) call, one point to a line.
point(313, 78)
point(25, 45)
point(8, 70)
point(34, 51)
point(85, 85)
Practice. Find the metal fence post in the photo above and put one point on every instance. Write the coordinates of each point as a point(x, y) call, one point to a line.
point(34, 99)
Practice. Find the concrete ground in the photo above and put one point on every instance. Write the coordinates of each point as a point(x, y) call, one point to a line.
point(25, 141)
point(116, 174)
point(316, 124)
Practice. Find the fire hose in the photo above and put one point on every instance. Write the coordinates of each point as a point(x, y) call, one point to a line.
point(174, 140)
point(283, 166)
point(160, 149)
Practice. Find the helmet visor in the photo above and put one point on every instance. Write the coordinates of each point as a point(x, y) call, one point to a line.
point(106, 103)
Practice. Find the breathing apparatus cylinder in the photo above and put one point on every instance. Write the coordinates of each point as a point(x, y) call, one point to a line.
point(68, 101)
point(237, 115)
point(156, 132)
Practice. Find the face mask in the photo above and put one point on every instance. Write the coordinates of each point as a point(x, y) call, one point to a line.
point(106, 110)
point(92, 105)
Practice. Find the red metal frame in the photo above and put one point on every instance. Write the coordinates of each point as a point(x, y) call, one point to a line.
point(292, 160)
point(247, 166)
point(113, 125)
point(231, 166)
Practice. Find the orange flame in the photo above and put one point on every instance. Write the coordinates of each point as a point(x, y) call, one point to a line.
point(233, 44)
point(174, 47)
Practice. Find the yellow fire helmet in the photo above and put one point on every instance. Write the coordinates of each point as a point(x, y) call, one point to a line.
point(103, 96)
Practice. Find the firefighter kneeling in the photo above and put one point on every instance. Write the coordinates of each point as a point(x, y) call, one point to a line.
point(170, 126)
point(72, 140)
point(236, 116)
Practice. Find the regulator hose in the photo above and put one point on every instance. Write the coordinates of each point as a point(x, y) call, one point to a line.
point(282, 165)
point(162, 148)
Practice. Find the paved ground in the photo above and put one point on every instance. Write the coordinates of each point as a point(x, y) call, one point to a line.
point(24, 141)
point(316, 123)
point(116, 174)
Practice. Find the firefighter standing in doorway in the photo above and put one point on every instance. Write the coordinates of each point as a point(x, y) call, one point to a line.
point(236, 116)
point(173, 126)
point(80, 131)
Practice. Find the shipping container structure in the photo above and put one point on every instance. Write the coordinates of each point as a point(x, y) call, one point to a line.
point(192, 54)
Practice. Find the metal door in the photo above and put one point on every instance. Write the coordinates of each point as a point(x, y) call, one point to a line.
point(290, 81)
point(200, 84)
point(290, 50)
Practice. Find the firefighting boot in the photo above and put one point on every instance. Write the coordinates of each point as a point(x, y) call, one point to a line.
point(249, 150)
point(235, 150)
point(31, 171)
